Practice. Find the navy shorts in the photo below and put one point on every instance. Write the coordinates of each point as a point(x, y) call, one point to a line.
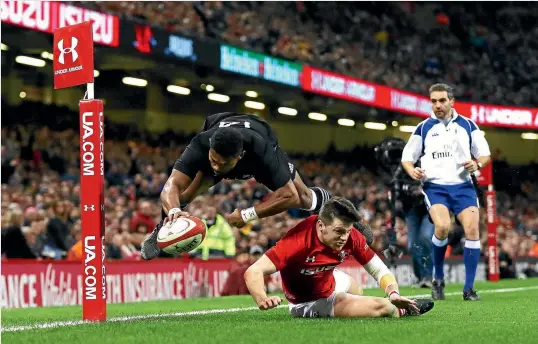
point(456, 197)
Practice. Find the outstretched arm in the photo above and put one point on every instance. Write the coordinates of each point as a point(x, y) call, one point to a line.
point(281, 200)
point(275, 173)
point(380, 272)
point(386, 280)
point(176, 184)
point(184, 182)
point(254, 279)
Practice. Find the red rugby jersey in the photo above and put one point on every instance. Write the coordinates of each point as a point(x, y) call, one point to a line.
point(306, 265)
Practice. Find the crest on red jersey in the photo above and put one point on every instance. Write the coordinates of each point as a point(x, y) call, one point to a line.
point(343, 255)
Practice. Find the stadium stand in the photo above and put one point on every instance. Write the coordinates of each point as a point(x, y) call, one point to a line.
point(489, 50)
point(40, 190)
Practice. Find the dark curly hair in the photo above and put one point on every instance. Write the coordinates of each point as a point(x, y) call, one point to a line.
point(227, 142)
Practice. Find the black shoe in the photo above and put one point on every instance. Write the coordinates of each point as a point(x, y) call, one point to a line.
point(423, 305)
point(438, 290)
point(470, 295)
point(364, 228)
point(149, 246)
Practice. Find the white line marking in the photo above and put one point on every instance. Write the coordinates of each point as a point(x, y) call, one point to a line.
point(127, 318)
point(488, 291)
point(205, 312)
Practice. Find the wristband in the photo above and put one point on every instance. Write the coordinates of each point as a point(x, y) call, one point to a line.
point(393, 292)
point(173, 211)
point(249, 215)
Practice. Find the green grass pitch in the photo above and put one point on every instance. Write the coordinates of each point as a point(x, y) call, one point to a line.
point(508, 313)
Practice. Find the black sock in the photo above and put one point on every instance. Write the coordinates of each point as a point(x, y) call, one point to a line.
point(322, 196)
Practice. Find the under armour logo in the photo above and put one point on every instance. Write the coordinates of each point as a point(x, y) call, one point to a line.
point(310, 259)
point(69, 50)
point(144, 39)
point(89, 207)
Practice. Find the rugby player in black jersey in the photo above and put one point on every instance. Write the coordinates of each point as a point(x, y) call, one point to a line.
point(237, 146)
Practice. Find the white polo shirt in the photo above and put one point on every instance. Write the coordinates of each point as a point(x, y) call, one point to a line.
point(442, 149)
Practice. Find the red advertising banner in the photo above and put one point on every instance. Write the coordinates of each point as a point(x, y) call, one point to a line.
point(92, 209)
point(340, 86)
point(29, 283)
point(499, 116)
point(46, 16)
point(485, 175)
point(73, 55)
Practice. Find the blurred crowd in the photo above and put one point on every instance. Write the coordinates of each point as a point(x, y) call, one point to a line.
point(41, 189)
point(489, 51)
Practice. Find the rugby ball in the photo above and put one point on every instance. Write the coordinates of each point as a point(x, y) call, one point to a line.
point(183, 236)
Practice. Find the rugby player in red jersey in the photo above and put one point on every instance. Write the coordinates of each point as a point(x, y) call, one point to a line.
point(307, 257)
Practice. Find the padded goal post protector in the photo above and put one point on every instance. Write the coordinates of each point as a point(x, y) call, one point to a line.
point(493, 253)
point(73, 65)
point(92, 209)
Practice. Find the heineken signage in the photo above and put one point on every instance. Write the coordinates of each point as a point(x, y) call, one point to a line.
point(257, 65)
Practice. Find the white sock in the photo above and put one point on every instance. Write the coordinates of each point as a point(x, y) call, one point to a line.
point(439, 243)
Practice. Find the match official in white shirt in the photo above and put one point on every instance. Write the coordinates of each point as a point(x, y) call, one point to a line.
point(444, 144)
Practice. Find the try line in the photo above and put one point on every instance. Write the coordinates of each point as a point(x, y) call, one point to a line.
point(204, 312)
